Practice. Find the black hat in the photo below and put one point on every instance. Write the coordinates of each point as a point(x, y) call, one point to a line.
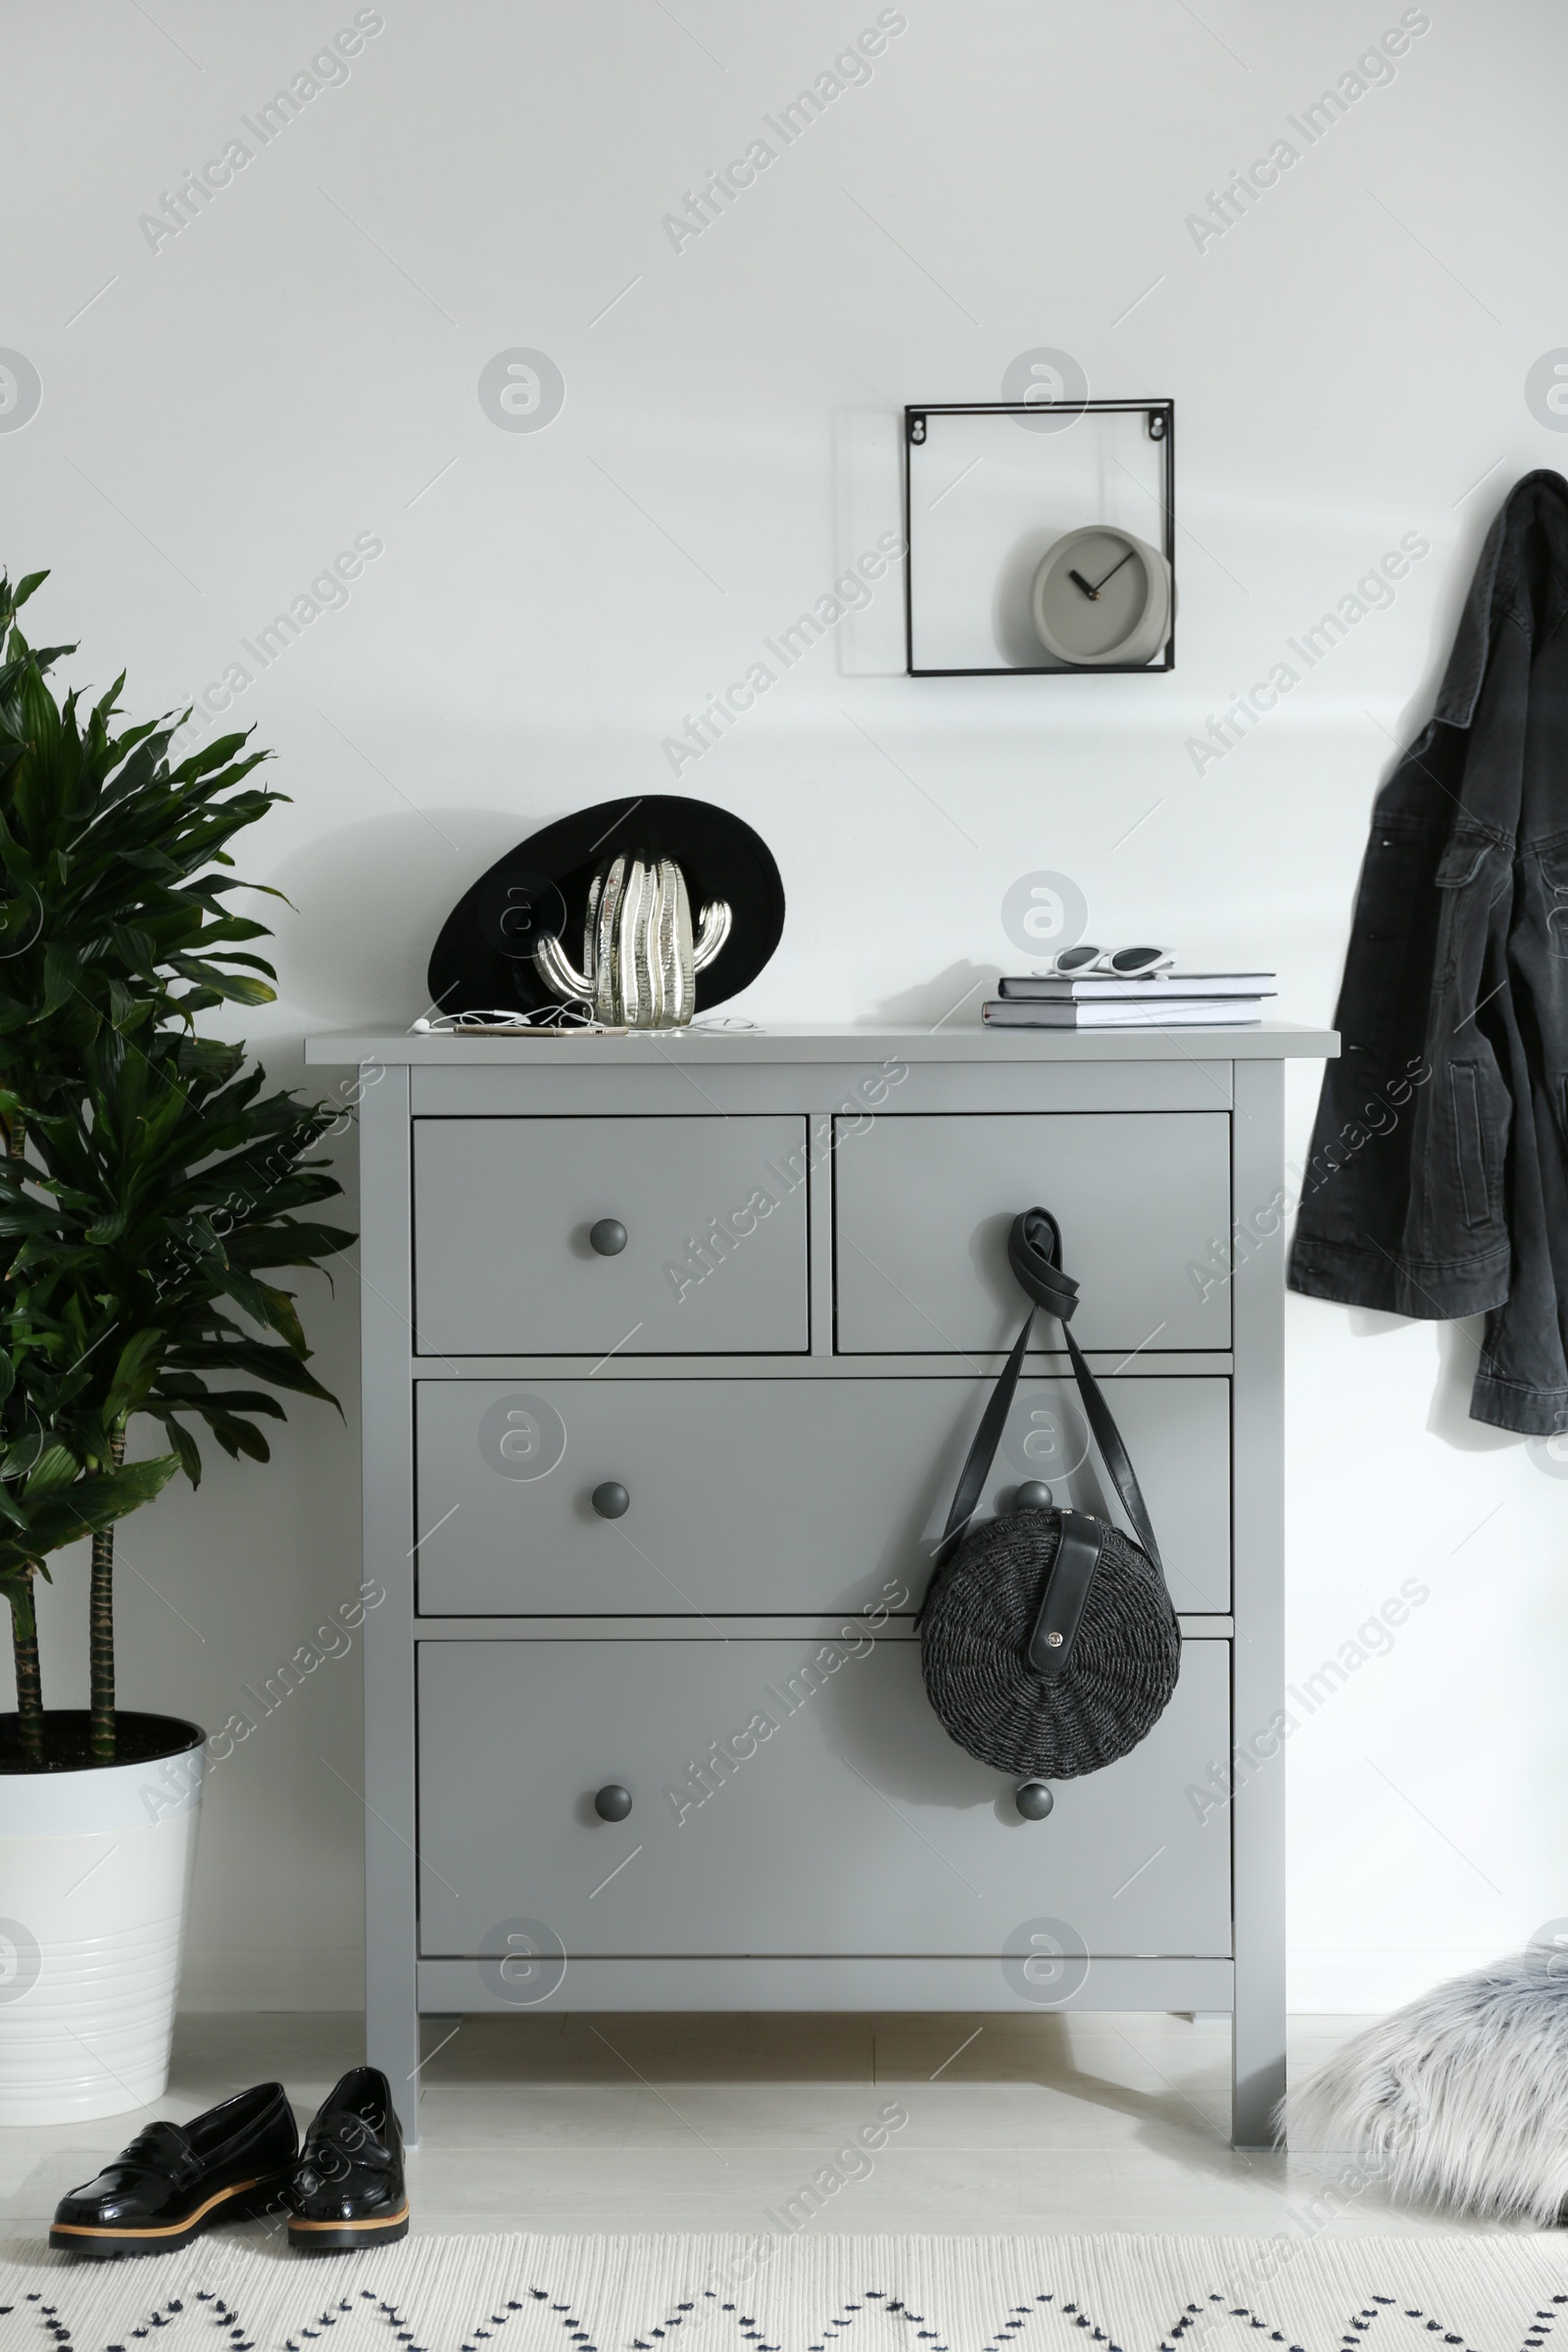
point(483, 959)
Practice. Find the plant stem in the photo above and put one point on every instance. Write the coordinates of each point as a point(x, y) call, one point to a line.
point(24, 1653)
point(101, 1625)
point(18, 1590)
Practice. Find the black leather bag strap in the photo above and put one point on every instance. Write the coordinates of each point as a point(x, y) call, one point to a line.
point(983, 1452)
point(1061, 1605)
point(1034, 1253)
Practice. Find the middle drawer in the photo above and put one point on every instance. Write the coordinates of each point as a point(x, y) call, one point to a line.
point(774, 1496)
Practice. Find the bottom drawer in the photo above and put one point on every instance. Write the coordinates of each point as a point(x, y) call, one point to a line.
point(790, 1797)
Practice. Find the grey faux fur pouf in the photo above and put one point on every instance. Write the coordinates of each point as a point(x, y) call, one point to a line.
point(1462, 2098)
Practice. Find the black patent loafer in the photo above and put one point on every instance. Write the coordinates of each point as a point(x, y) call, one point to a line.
point(176, 2180)
point(349, 2190)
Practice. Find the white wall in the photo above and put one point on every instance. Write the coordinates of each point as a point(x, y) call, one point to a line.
point(301, 363)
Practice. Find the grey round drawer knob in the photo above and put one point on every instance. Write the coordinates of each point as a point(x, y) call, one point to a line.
point(608, 1236)
point(1033, 1799)
point(610, 1500)
point(1033, 1495)
point(613, 1802)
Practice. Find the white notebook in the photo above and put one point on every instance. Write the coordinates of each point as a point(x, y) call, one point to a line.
point(1120, 1013)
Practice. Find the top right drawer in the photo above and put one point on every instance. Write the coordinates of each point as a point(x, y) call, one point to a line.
point(922, 1208)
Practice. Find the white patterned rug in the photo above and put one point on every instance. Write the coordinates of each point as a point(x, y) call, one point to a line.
point(874, 2294)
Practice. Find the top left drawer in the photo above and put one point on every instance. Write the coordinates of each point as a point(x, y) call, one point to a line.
point(713, 1212)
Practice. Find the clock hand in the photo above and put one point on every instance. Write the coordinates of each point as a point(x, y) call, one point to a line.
point(1112, 573)
point(1078, 580)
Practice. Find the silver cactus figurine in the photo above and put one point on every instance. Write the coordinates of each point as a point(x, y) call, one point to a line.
point(640, 958)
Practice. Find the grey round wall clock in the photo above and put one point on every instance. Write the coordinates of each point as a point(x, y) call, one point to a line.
point(1102, 598)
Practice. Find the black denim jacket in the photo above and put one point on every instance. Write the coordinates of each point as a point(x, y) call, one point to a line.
point(1437, 1184)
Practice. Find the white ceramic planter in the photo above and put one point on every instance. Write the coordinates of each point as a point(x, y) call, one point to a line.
point(95, 1872)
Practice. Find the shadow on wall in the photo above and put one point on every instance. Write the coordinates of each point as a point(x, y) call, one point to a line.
point(1447, 608)
point(369, 904)
point(1013, 621)
point(952, 998)
point(1458, 1348)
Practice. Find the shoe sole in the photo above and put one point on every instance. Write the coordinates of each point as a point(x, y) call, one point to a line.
point(244, 2200)
point(347, 2237)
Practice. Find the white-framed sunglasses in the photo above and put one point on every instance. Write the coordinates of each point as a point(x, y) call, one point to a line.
point(1128, 964)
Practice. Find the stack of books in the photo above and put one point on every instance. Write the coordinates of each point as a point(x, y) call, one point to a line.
point(1104, 1000)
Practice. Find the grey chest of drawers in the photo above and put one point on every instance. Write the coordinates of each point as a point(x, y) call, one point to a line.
point(672, 1347)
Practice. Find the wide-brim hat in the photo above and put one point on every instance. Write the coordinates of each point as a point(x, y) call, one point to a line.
point(483, 959)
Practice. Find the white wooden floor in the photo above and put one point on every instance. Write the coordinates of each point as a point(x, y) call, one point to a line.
point(1008, 2123)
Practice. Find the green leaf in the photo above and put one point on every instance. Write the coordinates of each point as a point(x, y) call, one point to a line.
point(57, 1467)
point(185, 1445)
point(135, 1369)
point(85, 1508)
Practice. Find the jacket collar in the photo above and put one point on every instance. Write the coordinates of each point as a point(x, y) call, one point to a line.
point(1541, 496)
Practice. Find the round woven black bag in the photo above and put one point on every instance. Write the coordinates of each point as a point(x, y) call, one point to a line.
point(1047, 1639)
point(975, 1642)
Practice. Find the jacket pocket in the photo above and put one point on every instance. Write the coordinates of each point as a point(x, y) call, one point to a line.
point(1552, 861)
point(1469, 1141)
point(1472, 872)
point(1462, 860)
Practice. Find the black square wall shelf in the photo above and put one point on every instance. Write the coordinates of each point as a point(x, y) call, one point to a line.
point(1041, 539)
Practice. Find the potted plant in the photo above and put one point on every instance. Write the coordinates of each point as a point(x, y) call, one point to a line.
point(148, 1193)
